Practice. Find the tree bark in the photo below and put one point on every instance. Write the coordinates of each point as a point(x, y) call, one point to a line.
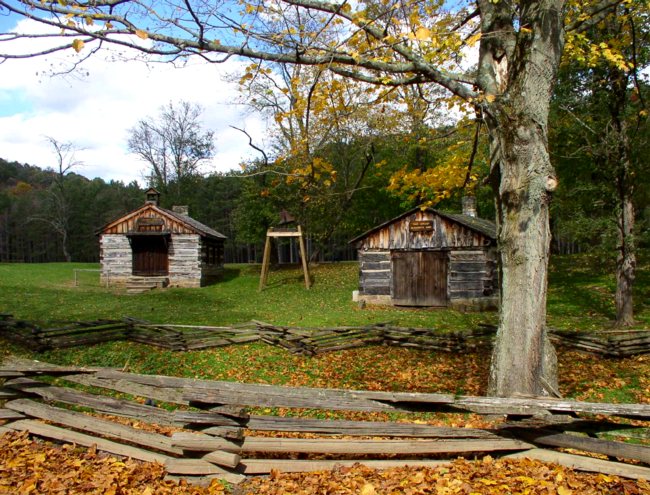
point(523, 361)
point(520, 71)
point(626, 258)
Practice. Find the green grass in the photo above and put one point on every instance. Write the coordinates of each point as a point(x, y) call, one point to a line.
point(45, 293)
point(580, 297)
point(581, 293)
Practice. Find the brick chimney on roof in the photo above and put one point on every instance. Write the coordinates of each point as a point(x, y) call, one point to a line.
point(181, 209)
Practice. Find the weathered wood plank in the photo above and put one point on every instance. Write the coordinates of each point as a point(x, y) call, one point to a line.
point(362, 428)
point(198, 467)
point(29, 367)
point(264, 466)
point(222, 458)
point(599, 446)
point(199, 442)
point(169, 394)
point(230, 417)
point(257, 395)
point(64, 435)
point(110, 405)
point(8, 415)
point(7, 393)
point(582, 463)
point(228, 432)
point(91, 424)
point(10, 374)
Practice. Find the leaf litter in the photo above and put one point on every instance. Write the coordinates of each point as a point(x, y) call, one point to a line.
point(30, 466)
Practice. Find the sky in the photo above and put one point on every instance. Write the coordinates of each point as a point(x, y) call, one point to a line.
point(95, 106)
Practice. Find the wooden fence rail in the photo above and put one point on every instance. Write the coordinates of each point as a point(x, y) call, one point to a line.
point(305, 341)
point(211, 433)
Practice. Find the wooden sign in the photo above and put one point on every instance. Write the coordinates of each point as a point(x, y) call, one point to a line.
point(421, 226)
point(150, 221)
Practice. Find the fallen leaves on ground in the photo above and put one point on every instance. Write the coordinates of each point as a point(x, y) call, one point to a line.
point(37, 467)
point(489, 476)
point(33, 467)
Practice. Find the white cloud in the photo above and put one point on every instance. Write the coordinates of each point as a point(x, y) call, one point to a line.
point(96, 105)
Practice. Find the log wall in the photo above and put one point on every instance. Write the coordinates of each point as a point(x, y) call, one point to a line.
point(116, 259)
point(374, 273)
point(472, 276)
point(185, 260)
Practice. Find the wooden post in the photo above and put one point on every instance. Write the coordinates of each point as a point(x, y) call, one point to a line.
point(303, 257)
point(265, 262)
point(267, 254)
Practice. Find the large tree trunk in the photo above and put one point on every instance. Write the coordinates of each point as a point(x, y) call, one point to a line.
point(518, 70)
point(625, 264)
point(626, 258)
point(523, 361)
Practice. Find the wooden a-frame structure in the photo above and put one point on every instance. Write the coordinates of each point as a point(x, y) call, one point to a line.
point(283, 232)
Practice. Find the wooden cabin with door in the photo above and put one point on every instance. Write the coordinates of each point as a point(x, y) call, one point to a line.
point(155, 247)
point(427, 257)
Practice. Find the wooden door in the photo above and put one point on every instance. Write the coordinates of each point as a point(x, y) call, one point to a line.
point(150, 256)
point(419, 278)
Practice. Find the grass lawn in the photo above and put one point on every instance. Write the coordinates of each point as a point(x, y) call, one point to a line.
point(579, 298)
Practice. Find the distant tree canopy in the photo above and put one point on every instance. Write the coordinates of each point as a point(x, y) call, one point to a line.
point(25, 194)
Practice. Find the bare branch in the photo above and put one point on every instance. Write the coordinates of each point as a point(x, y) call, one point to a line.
point(252, 145)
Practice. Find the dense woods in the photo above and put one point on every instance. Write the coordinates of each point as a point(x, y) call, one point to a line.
point(242, 205)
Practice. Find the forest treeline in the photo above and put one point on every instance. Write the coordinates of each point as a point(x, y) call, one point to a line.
point(32, 212)
point(242, 205)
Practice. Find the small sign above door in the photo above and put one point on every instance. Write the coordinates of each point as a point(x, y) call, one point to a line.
point(421, 226)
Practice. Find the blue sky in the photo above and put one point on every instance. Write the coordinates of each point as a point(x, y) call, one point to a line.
point(95, 107)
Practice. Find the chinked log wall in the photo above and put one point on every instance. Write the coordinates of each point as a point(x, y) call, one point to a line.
point(471, 274)
point(304, 341)
point(213, 435)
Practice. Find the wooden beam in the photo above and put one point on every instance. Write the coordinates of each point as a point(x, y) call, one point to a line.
point(597, 445)
point(105, 404)
point(264, 466)
point(95, 425)
point(362, 428)
point(199, 442)
point(222, 458)
point(271, 233)
point(582, 463)
point(9, 415)
point(303, 257)
point(265, 263)
point(200, 467)
point(61, 434)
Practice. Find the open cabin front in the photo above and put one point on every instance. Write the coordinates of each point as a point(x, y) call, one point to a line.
point(429, 258)
point(163, 246)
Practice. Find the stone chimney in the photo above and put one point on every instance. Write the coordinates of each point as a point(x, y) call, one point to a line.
point(181, 209)
point(469, 206)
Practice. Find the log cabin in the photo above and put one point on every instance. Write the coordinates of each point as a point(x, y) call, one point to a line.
point(426, 257)
point(156, 247)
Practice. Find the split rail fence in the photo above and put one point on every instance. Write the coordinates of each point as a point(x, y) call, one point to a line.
point(215, 431)
point(306, 341)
